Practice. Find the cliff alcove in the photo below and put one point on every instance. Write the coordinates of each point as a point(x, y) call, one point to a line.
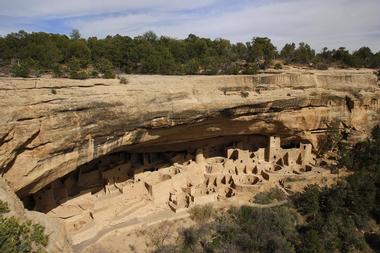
point(97, 153)
point(119, 167)
point(142, 179)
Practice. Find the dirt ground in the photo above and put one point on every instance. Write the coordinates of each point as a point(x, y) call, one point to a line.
point(163, 228)
point(141, 240)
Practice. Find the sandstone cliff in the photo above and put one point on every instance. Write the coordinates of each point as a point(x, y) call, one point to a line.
point(58, 239)
point(51, 126)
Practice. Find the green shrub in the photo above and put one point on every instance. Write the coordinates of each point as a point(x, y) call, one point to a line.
point(331, 139)
point(251, 70)
point(109, 74)
point(37, 72)
point(308, 202)
point(337, 215)
point(190, 237)
point(374, 241)
point(232, 69)
point(21, 69)
point(268, 197)
point(248, 229)
point(278, 66)
point(94, 74)
point(192, 67)
point(105, 67)
point(75, 70)
point(311, 242)
point(81, 75)
point(243, 229)
point(57, 71)
point(20, 236)
point(123, 80)
point(263, 65)
point(322, 66)
point(3, 207)
point(244, 94)
point(201, 214)
point(345, 157)
point(211, 70)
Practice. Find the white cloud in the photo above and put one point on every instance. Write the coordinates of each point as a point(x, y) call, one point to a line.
point(70, 8)
point(133, 24)
point(331, 23)
point(334, 23)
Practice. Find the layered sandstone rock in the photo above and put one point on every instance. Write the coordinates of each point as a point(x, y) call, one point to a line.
point(58, 239)
point(51, 126)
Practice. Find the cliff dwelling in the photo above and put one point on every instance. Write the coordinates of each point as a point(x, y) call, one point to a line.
point(128, 156)
point(118, 186)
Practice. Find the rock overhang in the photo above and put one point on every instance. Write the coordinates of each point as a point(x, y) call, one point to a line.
point(52, 126)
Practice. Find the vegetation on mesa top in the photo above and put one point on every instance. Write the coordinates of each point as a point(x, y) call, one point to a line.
point(32, 54)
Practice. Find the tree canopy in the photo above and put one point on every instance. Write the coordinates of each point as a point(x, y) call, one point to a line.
point(25, 54)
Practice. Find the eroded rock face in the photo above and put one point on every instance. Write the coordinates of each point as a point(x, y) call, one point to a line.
point(50, 127)
point(58, 239)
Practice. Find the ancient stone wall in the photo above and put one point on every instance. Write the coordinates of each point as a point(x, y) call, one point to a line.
point(212, 172)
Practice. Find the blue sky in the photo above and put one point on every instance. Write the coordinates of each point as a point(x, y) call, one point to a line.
point(331, 23)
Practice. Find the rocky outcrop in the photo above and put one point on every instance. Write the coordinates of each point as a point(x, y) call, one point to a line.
point(51, 126)
point(58, 239)
point(15, 207)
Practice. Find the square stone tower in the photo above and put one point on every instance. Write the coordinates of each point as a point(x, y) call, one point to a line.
point(306, 155)
point(273, 149)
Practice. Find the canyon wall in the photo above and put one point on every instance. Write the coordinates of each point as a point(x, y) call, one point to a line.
point(49, 127)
